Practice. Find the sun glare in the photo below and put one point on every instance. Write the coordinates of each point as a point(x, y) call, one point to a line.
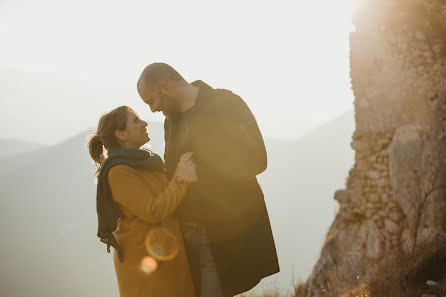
point(161, 244)
point(352, 6)
point(148, 265)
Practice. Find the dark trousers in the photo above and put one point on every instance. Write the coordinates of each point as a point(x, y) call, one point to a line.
point(201, 258)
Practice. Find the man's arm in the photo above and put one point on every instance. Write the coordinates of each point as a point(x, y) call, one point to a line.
point(236, 148)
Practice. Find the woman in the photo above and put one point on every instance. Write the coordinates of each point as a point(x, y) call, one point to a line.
point(135, 203)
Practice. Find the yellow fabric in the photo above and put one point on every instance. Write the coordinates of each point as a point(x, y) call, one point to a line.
point(148, 201)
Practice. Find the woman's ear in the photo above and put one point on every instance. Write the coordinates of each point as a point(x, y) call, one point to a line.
point(120, 135)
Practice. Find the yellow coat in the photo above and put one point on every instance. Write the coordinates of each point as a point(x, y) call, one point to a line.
point(148, 200)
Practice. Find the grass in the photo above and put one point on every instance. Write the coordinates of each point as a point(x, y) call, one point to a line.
point(276, 291)
point(406, 274)
point(401, 275)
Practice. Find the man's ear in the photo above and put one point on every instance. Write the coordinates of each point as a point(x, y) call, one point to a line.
point(164, 87)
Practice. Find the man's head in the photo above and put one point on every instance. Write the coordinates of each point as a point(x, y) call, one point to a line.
point(160, 87)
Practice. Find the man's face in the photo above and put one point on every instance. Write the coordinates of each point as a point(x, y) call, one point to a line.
point(152, 96)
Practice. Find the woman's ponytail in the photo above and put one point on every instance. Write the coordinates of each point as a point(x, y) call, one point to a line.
point(96, 150)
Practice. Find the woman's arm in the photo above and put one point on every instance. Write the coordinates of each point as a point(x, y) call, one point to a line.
point(131, 192)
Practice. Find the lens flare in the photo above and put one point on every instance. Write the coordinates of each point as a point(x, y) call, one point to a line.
point(148, 265)
point(161, 244)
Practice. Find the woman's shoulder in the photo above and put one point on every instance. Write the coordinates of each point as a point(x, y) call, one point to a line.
point(121, 170)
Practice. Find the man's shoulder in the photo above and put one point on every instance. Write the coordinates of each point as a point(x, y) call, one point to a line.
point(224, 93)
point(215, 96)
point(226, 98)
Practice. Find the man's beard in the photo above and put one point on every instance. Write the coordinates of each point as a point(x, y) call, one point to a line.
point(171, 109)
point(172, 115)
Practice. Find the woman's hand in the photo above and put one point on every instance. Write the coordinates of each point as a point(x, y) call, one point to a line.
point(186, 169)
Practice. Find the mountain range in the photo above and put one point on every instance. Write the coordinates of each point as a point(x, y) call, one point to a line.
point(49, 222)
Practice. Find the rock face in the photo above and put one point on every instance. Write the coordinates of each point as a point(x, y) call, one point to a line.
point(395, 195)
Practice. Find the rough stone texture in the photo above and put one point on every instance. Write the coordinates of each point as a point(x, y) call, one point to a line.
point(395, 194)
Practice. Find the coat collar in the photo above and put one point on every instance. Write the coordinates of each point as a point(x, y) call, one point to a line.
point(201, 102)
point(204, 92)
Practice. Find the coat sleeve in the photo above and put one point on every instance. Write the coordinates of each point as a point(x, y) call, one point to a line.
point(132, 193)
point(235, 148)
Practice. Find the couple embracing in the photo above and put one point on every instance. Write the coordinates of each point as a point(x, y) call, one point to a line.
point(195, 225)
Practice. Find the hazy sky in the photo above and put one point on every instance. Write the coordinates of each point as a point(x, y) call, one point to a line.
point(64, 63)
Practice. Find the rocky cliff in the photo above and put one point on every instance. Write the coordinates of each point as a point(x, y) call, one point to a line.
point(395, 195)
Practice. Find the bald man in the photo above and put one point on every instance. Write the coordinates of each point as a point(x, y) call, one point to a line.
point(224, 219)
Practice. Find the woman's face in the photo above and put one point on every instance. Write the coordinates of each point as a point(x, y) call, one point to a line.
point(135, 134)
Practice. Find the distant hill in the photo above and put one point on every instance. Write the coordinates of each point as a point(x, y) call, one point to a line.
point(299, 187)
point(12, 147)
point(49, 223)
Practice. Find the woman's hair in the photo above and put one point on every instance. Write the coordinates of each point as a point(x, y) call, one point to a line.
point(105, 135)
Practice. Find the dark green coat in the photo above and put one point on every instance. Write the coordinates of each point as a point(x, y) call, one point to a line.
point(229, 151)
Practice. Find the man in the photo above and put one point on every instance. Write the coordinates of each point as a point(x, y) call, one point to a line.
point(225, 223)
